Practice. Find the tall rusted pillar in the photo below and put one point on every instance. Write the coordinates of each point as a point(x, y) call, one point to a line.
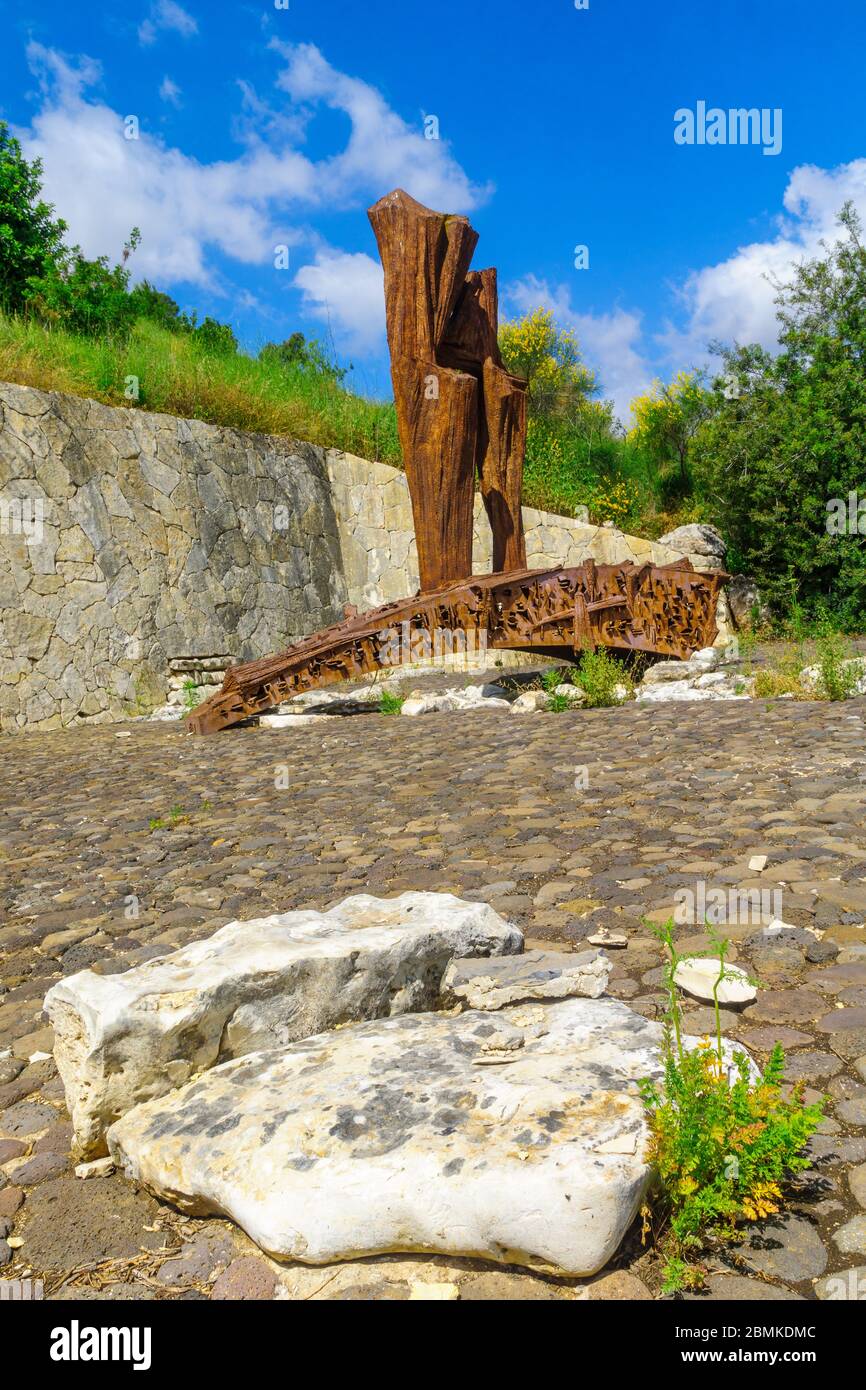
point(459, 413)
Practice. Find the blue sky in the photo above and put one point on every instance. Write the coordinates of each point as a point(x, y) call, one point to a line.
point(261, 127)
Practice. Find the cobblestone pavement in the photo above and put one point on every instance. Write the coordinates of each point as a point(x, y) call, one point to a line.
point(122, 842)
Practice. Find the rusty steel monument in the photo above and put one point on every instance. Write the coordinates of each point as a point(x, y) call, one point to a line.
point(461, 418)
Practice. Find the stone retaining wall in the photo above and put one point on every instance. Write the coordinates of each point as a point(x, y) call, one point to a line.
point(130, 540)
point(139, 551)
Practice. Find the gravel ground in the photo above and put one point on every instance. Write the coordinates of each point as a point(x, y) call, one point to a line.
point(122, 842)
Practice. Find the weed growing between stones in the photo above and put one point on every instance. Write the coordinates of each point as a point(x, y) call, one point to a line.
point(190, 695)
point(389, 703)
point(603, 679)
point(781, 679)
point(834, 674)
point(838, 675)
point(558, 704)
point(722, 1143)
point(550, 681)
point(177, 816)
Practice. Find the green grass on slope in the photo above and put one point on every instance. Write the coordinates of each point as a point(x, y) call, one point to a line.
point(176, 376)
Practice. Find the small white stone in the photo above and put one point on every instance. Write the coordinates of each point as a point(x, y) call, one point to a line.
point(664, 671)
point(99, 1168)
point(757, 863)
point(39, 1057)
point(707, 657)
point(416, 706)
point(572, 693)
point(614, 939)
point(530, 702)
point(711, 679)
point(165, 714)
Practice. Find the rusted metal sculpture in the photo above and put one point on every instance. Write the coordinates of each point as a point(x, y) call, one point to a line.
point(669, 610)
point(462, 416)
point(459, 412)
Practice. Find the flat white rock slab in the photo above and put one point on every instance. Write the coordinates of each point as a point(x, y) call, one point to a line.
point(123, 1039)
point(697, 975)
point(492, 983)
point(517, 1137)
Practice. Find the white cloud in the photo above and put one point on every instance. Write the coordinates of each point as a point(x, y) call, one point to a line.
point(170, 91)
point(383, 152)
point(104, 184)
point(734, 301)
point(346, 292)
point(166, 15)
point(610, 342)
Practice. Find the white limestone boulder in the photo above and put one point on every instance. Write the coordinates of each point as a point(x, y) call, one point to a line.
point(530, 702)
point(572, 693)
point(492, 983)
point(469, 697)
point(664, 671)
point(516, 1137)
point(707, 659)
point(708, 686)
point(703, 545)
point(123, 1039)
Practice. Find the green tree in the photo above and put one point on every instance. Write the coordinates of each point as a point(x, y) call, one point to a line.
point(147, 302)
point(31, 237)
point(85, 296)
point(304, 354)
point(666, 420)
point(786, 440)
point(549, 357)
point(213, 336)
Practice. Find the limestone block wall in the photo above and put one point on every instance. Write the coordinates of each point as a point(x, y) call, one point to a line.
point(131, 540)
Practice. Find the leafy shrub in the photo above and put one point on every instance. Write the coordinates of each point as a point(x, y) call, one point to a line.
point(390, 703)
point(558, 704)
point(722, 1143)
point(215, 337)
point(190, 695)
point(31, 238)
point(302, 354)
point(598, 676)
point(838, 674)
point(787, 435)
